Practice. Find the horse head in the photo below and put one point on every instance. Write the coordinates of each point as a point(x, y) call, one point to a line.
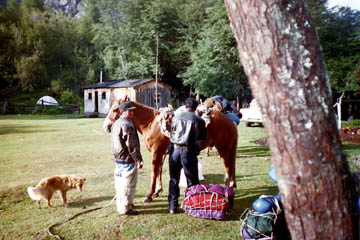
point(114, 113)
point(143, 115)
point(211, 103)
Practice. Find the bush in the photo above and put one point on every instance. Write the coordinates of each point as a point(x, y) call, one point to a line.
point(50, 110)
point(352, 123)
point(56, 87)
point(68, 97)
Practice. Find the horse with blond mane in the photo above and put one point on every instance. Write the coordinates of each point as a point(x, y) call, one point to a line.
point(222, 133)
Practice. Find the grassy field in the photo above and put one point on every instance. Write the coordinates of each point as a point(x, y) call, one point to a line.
point(34, 147)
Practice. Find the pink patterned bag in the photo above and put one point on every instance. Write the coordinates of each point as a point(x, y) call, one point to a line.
point(209, 201)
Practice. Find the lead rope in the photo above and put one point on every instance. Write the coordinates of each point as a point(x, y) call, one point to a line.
point(74, 216)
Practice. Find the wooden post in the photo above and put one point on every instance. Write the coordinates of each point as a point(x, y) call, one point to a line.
point(78, 105)
point(237, 103)
point(156, 73)
point(5, 107)
point(338, 109)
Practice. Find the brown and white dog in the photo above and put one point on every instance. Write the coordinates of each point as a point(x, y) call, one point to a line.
point(47, 186)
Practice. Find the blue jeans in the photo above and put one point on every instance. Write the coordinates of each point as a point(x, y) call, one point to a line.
point(126, 176)
point(180, 158)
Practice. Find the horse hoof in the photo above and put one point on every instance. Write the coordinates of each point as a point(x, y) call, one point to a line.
point(156, 194)
point(147, 200)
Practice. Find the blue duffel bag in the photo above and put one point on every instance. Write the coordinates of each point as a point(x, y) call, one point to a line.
point(266, 203)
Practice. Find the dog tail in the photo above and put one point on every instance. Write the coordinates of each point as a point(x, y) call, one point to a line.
point(34, 193)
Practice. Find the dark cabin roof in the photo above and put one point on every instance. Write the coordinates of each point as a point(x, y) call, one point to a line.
point(119, 84)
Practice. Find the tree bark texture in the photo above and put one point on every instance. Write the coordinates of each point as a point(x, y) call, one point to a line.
point(279, 50)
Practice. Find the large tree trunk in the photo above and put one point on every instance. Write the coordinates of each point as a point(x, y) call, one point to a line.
point(279, 49)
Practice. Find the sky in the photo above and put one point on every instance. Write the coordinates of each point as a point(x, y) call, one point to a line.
point(354, 4)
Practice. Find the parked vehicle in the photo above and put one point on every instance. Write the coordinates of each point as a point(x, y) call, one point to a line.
point(252, 114)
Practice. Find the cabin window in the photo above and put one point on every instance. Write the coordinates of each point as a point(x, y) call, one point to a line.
point(103, 95)
point(89, 96)
point(157, 97)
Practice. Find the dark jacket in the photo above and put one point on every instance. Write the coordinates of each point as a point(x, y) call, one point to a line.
point(125, 141)
point(187, 129)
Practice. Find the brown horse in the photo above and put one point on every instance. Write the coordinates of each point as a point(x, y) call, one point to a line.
point(222, 132)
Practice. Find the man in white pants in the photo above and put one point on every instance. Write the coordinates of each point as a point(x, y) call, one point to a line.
point(126, 151)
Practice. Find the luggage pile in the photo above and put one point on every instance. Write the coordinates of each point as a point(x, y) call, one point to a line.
point(208, 201)
point(266, 221)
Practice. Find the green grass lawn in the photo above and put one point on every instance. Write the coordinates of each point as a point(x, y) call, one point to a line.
point(34, 147)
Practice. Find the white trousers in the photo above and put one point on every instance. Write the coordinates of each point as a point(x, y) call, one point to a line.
point(126, 176)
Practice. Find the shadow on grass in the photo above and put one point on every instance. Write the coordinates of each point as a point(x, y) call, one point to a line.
point(213, 179)
point(219, 178)
point(11, 196)
point(348, 146)
point(88, 202)
point(246, 177)
point(255, 125)
point(249, 151)
point(41, 117)
point(252, 151)
point(243, 199)
point(156, 208)
point(23, 129)
point(159, 205)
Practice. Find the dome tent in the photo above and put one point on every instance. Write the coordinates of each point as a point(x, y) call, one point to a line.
point(47, 101)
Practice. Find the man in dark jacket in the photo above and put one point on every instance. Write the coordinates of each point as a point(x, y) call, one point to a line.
point(187, 132)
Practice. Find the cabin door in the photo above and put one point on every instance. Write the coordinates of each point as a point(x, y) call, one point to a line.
point(96, 102)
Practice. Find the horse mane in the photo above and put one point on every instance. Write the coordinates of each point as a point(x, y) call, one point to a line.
point(144, 116)
point(136, 104)
point(145, 108)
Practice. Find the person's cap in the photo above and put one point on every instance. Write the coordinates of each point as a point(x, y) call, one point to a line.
point(126, 106)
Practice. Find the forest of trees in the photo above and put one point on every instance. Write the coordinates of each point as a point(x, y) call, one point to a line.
point(197, 51)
